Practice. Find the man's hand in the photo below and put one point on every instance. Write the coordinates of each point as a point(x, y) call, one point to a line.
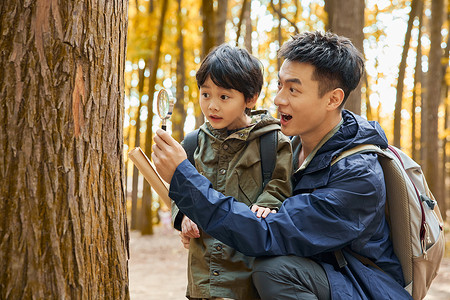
point(167, 154)
point(262, 211)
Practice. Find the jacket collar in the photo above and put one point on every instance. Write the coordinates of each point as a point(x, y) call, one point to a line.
point(354, 131)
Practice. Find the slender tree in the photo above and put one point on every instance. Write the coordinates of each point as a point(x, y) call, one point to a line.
point(179, 114)
point(417, 92)
point(401, 75)
point(63, 232)
point(347, 18)
point(147, 219)
point(433, 96)
point(221, 19)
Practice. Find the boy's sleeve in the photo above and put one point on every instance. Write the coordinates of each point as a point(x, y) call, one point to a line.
point(279, 187)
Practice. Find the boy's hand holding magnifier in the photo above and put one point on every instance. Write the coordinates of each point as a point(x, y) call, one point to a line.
point(167, 152)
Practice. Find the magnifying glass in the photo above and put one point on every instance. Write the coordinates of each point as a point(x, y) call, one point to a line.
point(165, 106)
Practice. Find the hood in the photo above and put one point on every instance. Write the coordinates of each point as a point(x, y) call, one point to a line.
point(354, 131)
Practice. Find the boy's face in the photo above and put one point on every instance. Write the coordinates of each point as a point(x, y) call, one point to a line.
point(224, 108)
point(302, 111)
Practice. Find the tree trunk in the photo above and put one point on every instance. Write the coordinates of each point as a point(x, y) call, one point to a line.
point(248, 28)
point(401, 76)
point(346, 18)
point(208, 42)
point(222, 11)
point(179, 114)
point(417, 92)
point(444, 175)
point(137, 143)
point(433, 96)
point(147, 216)
point(63, 231)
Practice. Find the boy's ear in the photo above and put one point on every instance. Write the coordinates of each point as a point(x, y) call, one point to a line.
point(335, 99)
point(252, 102)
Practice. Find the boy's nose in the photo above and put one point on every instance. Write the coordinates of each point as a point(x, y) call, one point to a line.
point(213, 105)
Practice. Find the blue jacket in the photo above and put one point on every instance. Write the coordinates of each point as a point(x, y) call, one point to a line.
point(332, 207)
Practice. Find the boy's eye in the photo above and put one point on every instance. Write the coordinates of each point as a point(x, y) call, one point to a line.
point(205, 95)
point(224, 97)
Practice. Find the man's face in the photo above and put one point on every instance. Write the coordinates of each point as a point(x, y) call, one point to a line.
point(302, 111)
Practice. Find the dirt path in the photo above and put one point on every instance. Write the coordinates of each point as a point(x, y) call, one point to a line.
point(157, 268)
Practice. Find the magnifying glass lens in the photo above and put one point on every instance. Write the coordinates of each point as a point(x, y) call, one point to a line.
point(163, 104)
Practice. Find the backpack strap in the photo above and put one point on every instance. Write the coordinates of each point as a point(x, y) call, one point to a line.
point(268, 151)
point(363, 148)
point(190, 143)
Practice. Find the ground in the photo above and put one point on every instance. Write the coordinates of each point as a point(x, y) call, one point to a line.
point(157, 268)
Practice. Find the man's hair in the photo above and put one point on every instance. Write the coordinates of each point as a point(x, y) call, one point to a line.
point(232, 68)
point(338, 64)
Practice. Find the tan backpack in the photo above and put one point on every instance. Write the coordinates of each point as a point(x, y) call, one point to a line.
point(414, 218)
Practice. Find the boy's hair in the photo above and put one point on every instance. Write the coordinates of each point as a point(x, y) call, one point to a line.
point(232, 68)
point(338, 64)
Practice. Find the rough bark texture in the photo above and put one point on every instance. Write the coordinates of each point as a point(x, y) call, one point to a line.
point(347, 18)
point(63, 232)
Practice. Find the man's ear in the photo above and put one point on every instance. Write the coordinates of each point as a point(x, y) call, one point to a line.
point(335, 98)
point(252, 102)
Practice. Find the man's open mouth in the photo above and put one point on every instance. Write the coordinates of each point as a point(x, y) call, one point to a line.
point(285, 117)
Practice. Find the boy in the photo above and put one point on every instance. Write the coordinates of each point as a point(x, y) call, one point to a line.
point(228, 154)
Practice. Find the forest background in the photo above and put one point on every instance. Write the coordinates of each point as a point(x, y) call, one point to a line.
point(77, 86)
point(405, 88)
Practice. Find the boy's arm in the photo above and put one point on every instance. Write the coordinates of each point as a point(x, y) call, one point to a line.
point(279, 187)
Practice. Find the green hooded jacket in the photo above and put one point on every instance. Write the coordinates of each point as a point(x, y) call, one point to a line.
point(232, 163)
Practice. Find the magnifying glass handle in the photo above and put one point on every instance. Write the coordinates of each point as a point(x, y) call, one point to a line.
point(163, 127)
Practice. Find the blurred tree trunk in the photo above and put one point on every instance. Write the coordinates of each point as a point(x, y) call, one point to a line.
point(248, 28)
point(137, 143)
point(147, 215)
point(433, 97)
point(346, 18)
point(179, 114)
point(417, 91)
point(222, 11)
point(63, 231)
point(208, 42)
point(401, 76)
point(243, 15)
point(444, 176)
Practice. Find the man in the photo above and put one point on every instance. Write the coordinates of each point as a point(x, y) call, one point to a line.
point(333, 207)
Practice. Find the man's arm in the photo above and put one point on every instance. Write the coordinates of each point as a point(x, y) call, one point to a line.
point(306, 224)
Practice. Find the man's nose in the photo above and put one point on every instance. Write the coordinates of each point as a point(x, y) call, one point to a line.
point(280, 99)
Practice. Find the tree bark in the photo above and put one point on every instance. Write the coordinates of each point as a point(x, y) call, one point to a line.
point(346, 18)
point(401, 76)
point(433, 96)
point(63, 231)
